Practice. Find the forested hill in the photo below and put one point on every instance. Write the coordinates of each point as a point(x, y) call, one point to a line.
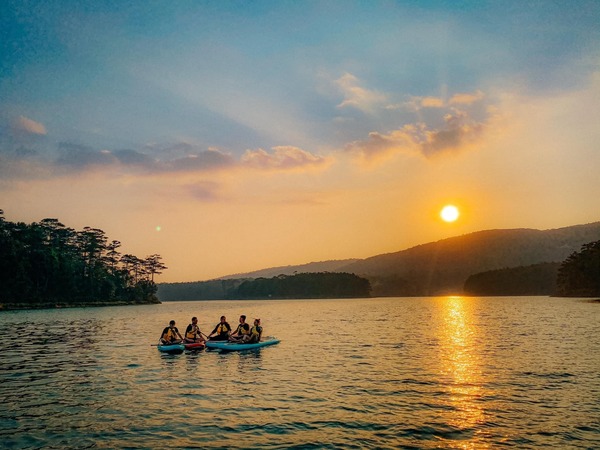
point(47, 264)
point(576, 276)
point(537, 279)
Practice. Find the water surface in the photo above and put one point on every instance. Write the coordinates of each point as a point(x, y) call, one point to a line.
point(440, 372)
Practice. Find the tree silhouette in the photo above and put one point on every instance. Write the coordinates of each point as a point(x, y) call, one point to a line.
point(47, 263)
point(153, 265)
point(579, 274)
point(305, 285)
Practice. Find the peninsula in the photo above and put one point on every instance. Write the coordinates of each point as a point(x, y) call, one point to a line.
point(48, 265)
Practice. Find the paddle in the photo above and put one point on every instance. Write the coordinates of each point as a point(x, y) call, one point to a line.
point(160, 343)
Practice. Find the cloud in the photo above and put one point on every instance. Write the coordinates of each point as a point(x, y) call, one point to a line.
point(13, 169)
point(416, 103)
point(160, 160)
point(282, 158)
point(81, 157)
point(203, 191)
point(76, 156)
point(378, 146)
point(431, 102)
point(207, 160)
point(434, 126)
point(171, 150)
point(459, 132)
point(24, 124)
point(466, 98)
point(133, 158)
point(356, 96)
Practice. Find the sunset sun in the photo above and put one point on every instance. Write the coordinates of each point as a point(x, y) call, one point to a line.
point(449, 213)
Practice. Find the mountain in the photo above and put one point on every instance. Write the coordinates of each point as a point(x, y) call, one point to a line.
point(442, 267)
point(312, 267)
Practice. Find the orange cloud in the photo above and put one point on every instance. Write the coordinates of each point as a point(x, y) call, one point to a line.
point(458, 132)
point(466, 98)
point(431, 102)
point(282, 158)
point(378, 146)
point(417, 103)
point(29, 126)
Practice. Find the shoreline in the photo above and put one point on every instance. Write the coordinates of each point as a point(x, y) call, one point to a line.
point(52, 305)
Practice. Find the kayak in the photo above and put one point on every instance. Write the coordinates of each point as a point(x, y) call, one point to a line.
point(171, 349)
point(237, 346)
point(194, 345)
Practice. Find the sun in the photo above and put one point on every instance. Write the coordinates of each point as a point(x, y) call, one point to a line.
point(449, 213)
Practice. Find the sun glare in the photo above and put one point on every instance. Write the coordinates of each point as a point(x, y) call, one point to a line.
point(449, 213)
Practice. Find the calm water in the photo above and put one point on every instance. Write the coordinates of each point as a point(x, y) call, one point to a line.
point(446, 372)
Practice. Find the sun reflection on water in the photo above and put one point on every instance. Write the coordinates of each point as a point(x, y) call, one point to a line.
point(461, 364)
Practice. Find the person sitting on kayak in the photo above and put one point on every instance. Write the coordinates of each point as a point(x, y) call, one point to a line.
point(193, 333)
point(255, 333)
point(170, 334)
point(222, 330)
point(242, 330)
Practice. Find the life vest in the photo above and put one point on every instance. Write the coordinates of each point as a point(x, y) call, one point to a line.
point(222, 328)
point(170, 334)
point(193, 333)
point(255, 331)
point(243, 330)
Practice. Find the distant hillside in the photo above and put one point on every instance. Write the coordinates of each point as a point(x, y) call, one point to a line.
point(312, 267)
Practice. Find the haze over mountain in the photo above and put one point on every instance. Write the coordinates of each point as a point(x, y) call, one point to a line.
point(443, 266)
point(322, 266)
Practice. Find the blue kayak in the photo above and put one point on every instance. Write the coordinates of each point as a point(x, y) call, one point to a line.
point(171, 349)
point(236, 346)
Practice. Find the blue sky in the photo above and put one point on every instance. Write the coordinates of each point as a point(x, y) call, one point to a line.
point(227, 116)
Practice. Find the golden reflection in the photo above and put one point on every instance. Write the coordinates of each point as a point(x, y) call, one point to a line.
point(461, 364)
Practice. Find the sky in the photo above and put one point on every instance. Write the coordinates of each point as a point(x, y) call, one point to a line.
point(231, 136)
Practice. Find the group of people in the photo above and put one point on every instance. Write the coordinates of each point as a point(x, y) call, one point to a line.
point(222, 332)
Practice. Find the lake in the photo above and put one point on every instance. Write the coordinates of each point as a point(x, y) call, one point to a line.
point(418, 373)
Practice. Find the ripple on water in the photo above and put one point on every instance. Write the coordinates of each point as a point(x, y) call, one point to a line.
point(458, 373)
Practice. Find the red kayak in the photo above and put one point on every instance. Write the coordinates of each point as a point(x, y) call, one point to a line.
point(194, 345)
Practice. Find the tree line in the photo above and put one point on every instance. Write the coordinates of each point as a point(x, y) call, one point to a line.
point(305, 285)
point(579, 274)
point(301, 285)
point(536, 279)
point(46, 264)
